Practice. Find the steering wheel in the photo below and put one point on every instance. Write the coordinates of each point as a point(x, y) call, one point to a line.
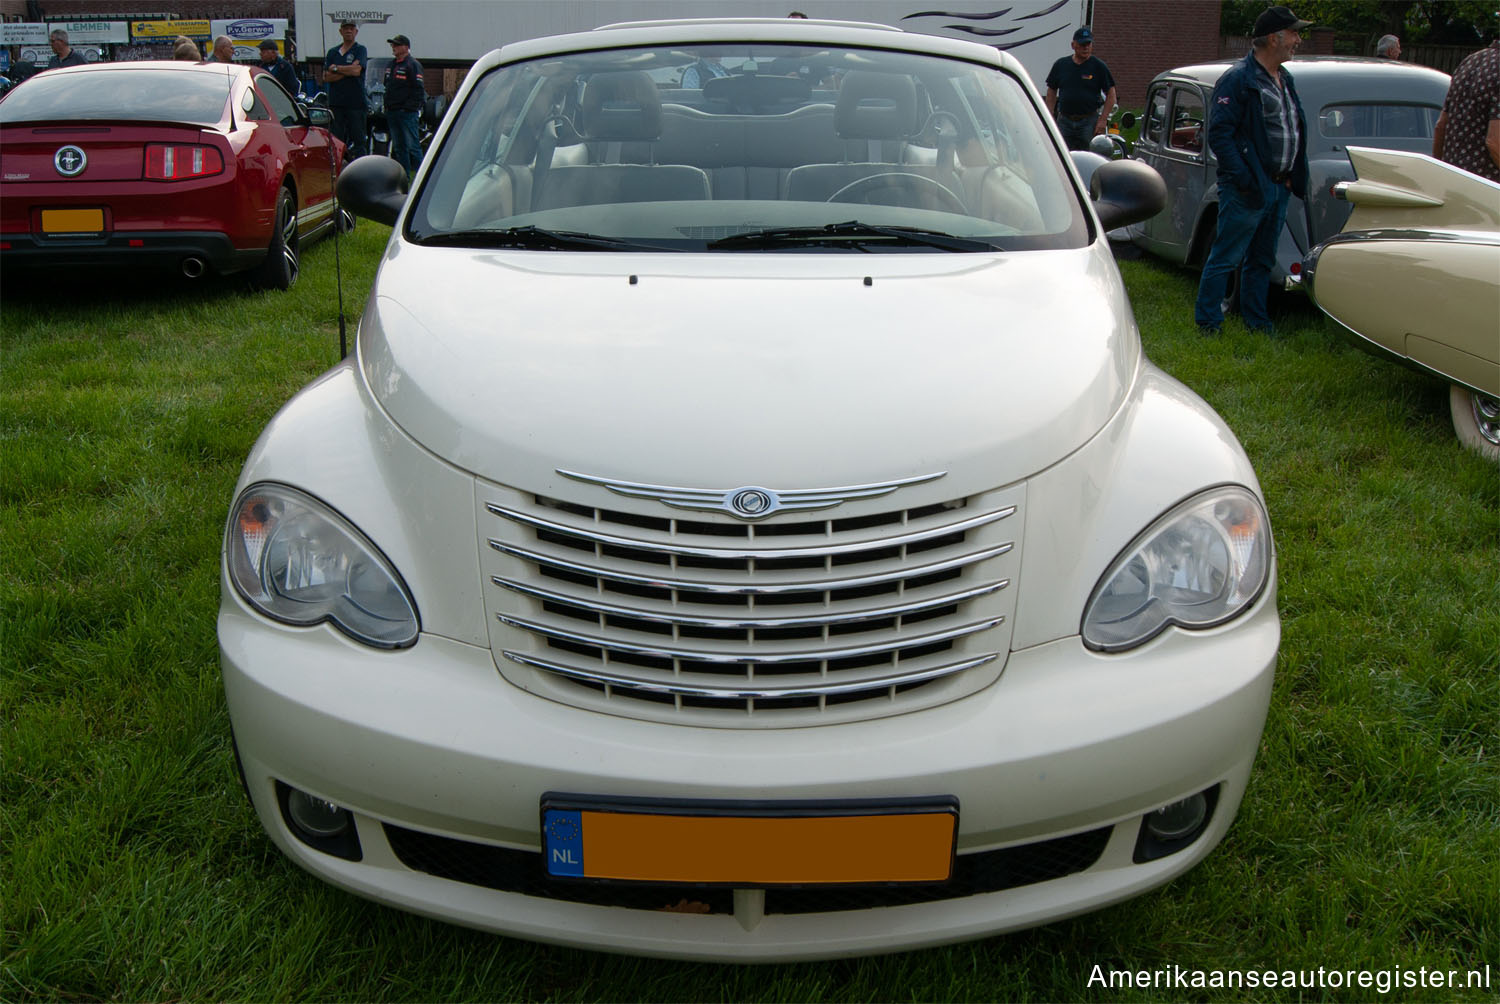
point(944, 128)
point(860, 189)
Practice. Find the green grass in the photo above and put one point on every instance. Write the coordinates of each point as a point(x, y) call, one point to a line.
point(132, 867)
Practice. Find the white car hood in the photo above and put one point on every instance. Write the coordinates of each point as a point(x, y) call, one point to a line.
point(717, 371)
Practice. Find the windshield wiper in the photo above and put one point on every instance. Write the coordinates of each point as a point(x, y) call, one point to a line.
point(850, 234)
point(535, 239)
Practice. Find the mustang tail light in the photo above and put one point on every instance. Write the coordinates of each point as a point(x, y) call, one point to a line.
point(179, 162)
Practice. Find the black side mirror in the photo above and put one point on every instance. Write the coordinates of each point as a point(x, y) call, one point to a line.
point(1127, 120)
point(373, 187)
point(318, 116)
point(1126, 191)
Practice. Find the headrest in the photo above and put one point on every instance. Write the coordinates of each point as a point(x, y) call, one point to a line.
point(621, 105)
point(876, 106)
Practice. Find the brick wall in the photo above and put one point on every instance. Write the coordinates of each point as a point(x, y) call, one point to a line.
point(1138, 39)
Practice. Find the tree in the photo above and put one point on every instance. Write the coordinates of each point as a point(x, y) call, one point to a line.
point(1439, 22)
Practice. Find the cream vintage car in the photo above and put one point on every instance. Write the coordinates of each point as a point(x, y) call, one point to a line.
point(1415, 274)
point(748, 527)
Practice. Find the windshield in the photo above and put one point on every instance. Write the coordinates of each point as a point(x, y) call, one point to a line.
point(749, 147)
point(136, 94)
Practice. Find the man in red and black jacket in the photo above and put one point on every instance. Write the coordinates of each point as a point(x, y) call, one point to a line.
point(405, 94)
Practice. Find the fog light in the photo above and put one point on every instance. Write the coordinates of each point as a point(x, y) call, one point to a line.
point(1175, 821)
point(1172, 827)
point(319, 823)
point(319, 818)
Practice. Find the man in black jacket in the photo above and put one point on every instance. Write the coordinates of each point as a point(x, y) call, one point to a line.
point(1258, 132)
point(405, 93)
point(272, 62)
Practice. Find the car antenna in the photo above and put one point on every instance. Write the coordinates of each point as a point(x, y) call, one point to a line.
point(338, 272)
point(338, 220)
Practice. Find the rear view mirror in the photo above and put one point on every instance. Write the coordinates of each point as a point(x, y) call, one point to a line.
point(1125, 192)
point(373, 187)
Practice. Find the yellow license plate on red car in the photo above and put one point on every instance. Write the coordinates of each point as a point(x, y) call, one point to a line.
point(749, 844)
point(72, 221)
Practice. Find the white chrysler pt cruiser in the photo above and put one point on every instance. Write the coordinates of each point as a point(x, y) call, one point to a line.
point(748, 527)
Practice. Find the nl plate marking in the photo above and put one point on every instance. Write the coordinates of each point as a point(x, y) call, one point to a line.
point(749, 844)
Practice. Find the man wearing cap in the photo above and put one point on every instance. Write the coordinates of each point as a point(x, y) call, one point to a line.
point(405, 94)
point(1080, 92)
point(344, 71)
point(1258, 132)
point(281, 69)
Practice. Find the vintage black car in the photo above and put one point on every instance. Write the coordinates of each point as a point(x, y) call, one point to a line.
point(1361, 102)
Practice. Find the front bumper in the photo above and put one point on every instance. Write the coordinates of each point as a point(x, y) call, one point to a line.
point(1064, 753)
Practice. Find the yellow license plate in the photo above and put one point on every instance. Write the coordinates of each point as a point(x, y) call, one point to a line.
point(749, 844)
point(72, 221)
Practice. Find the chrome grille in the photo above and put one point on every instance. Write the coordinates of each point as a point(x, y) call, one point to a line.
point(720, 622)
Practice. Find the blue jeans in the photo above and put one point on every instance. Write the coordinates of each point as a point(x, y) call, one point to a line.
point(1077, 134)
point(1246, 240)
point(406, 142)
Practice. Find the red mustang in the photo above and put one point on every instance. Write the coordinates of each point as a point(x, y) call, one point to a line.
point(196, 167)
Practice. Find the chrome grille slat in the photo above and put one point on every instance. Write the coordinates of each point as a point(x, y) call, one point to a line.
point(753, 658)
point(826, 550)
point(620, 604)
point(741, 693)
point(751, 623)
point(757, 588)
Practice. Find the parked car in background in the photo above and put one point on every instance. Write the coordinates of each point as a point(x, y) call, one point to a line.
point(1415, 275)
point(1368, 102)
point(718, 549)
point(196, 167)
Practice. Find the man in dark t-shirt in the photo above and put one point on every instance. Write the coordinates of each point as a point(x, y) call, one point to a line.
point(344, 72)
point(1080, 92)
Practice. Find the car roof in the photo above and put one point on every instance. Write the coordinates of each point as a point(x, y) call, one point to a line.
point(222, 69)
point(1363, 69)
point(708, 31)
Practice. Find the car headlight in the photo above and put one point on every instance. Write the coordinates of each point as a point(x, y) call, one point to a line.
point(297, 561)
point(1202, 563)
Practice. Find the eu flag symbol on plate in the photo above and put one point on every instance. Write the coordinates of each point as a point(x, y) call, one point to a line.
point(562, 841)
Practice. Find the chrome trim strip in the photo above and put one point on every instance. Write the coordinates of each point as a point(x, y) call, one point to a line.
point(1445, 235)
point(317, 212)
point(741, 553)
point(796, 690)
point(773, 500)
point(890, 645)
point(655, 617)
point(726, 589)
point(1375, 193)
